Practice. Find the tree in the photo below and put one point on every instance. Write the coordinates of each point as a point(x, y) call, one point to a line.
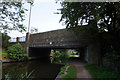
point(12, 16)
point(97, 18)
point(5, 39)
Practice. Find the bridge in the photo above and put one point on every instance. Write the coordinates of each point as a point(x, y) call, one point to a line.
point(40, 44)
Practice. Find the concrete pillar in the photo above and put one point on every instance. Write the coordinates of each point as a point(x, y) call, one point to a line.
point(86, 54)
point(94, 53)
point(27, 42)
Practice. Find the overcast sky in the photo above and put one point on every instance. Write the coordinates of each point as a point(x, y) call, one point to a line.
point(42, 17)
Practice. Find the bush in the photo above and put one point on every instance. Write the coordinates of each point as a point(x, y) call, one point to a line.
point(17, 52)
point(60, 56)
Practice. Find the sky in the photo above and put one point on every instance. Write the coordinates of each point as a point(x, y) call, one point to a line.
point(42, 17)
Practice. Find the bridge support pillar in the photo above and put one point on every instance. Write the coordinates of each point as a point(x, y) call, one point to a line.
point(93, 53)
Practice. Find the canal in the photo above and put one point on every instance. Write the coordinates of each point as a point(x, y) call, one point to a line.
point(32, 69)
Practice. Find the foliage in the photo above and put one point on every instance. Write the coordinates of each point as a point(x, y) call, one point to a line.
point(112, 56)
point(27, 75)
point(5, 39)
point(97, 19)
point(102, 72)
point(13, 14)
point(17, 52)
point(4, 54)
point(71, 72)
point(17, 71)
point(77, 14)
point(63, 69)
point(72, 55)
point(60, 56)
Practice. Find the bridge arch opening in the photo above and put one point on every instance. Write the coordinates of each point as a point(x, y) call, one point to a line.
point(45, 53)
point(39, 53)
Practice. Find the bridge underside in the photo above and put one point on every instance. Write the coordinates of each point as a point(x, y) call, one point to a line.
point(44, 53)
point(41, 44)
point(40, 52)
point(90, 53)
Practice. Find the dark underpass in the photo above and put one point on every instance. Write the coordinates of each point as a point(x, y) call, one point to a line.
point(44, 53)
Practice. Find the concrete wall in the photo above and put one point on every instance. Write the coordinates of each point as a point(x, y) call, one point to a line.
point(86, 54)
point(59, 38)
point(94, 53)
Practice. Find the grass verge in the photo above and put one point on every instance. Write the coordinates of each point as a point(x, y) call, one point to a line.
point(71, 72)
point(102, 72)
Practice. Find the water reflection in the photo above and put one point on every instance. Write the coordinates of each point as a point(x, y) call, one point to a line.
point(35, 69)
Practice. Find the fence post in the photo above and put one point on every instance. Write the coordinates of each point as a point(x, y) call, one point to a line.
point(17, 39)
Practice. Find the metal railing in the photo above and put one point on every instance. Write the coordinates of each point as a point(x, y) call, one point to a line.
point(22, 39)
point(12, 40)
point(18, 39)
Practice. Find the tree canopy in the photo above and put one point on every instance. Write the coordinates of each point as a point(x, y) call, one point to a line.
point(5, 39)
point(97, 18)
point(12, 15)
point(105, 15)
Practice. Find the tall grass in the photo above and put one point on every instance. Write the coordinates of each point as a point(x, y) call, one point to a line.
point(102, 72)
point(26, 76)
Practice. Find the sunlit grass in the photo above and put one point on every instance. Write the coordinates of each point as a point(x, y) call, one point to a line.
point(70, 73)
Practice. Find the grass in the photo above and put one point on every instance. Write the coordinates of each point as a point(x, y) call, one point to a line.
point(63, 69)
point(71, 72)
point(102, 72)
point(26, 76)
point(72, 55)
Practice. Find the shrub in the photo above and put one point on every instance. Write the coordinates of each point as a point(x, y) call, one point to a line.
point(60, 56)
point(17, 52)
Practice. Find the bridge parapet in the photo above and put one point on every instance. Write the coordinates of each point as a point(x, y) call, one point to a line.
point(62, 38)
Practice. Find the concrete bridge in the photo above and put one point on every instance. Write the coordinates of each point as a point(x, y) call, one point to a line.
point(40, 44)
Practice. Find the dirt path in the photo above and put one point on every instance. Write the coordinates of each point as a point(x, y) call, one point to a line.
point(81, 71)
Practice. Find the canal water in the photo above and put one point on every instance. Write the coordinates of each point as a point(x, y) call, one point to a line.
point(34, 69)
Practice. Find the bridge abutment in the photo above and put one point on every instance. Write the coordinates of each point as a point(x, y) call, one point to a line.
point(93, 53)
